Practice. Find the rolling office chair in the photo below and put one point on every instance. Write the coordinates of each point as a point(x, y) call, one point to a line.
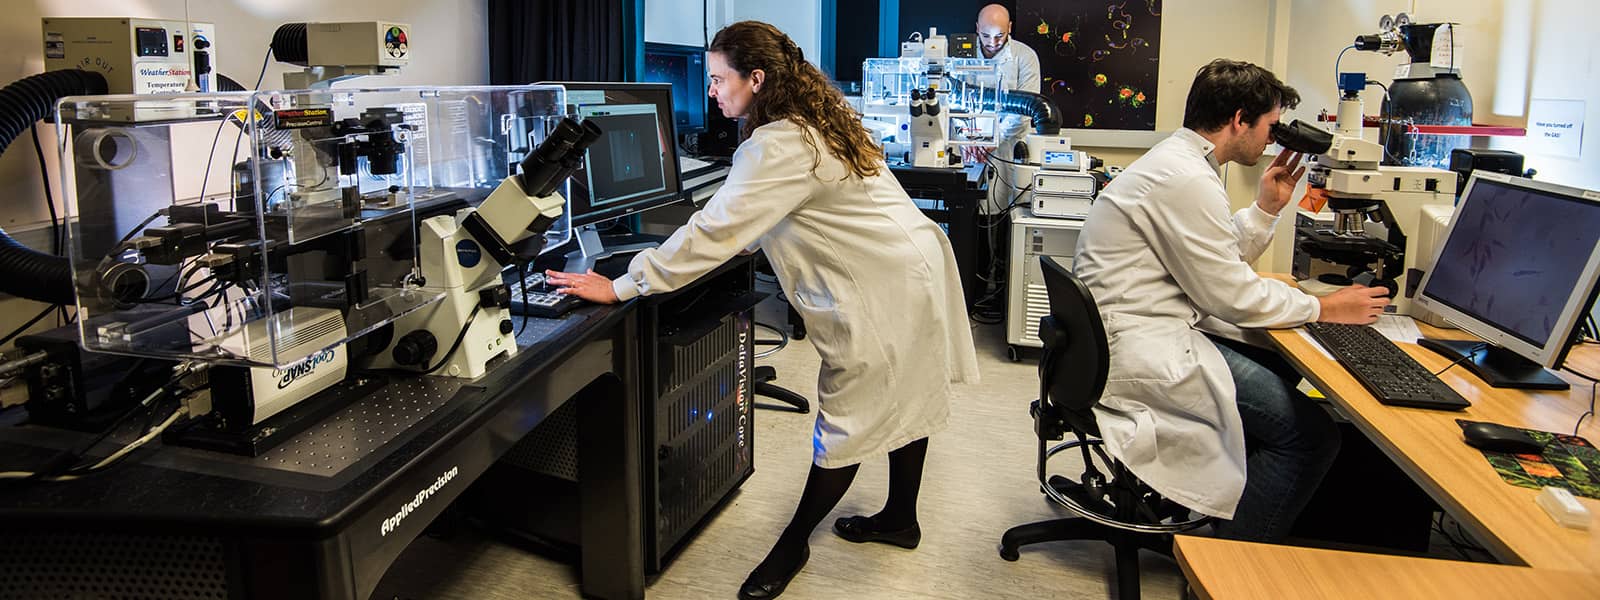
point(763, 375)
point(1121, 510)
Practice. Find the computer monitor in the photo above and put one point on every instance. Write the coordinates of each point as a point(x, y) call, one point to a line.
point(682, 67)
point(1517, 268)
point(633, 167)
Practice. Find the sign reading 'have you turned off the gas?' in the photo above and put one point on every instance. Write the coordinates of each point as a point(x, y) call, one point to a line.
point(1555, 127)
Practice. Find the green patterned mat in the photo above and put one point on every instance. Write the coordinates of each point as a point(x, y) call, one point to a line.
point(1567, 462)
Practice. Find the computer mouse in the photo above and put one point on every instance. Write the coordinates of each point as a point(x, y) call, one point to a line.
point(1495, 437)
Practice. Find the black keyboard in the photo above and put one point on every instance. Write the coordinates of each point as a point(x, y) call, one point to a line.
point(1384, 369)
point(545, 303)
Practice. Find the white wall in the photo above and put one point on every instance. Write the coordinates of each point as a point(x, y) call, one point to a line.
point(801, 19)
point(685, 22)
point(1565, 66)
point(1195, 33)
point(676, 21)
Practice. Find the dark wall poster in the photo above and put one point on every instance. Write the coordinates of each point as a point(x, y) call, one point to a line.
point(1097, 59)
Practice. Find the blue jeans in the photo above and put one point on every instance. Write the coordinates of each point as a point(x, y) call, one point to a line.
point(1290, 442)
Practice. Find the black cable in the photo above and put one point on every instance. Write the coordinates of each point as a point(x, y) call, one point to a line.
point(264, 60)
point(1460, 546)
point(1470, 353)
point(57, 245)
point(1009, 162)
point(92, 469)
point(205, 177)
point(1593, 383)
point(136, 229)
point(181, 292)
point(1015, 202)
point(62, 462)
point(18, 331)
point(522, 284)
point(459, 338)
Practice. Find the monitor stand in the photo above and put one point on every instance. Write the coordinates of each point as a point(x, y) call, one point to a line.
point(1496, 366)
point(591, 250)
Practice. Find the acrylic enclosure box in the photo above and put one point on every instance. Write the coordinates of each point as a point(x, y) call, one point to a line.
point(970, 89)
point(262, 228)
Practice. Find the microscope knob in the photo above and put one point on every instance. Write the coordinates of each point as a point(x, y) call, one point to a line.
point(415, 349)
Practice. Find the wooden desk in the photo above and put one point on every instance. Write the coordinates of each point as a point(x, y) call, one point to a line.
point(1234, 570)
point(1428, 446)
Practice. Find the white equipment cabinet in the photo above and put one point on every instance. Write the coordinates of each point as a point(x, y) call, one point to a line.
point(1026, 300)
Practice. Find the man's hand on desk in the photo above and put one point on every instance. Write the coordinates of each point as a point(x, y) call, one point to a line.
point(590, 286)
point(1354, 305)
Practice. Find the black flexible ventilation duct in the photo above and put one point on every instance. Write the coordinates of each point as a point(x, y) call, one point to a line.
point(289, 44)
point(23, 271)
point(1046, 116)
point(227, 84)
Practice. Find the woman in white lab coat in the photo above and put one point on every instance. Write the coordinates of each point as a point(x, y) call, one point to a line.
point(874, 279)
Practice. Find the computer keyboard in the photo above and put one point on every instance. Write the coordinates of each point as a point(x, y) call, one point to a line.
point(545, 303)
point(1384, 369)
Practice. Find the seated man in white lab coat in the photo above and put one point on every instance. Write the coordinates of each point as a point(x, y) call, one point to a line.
point(1204, 418)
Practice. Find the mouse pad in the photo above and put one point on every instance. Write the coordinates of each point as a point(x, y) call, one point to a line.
point(1567, 462)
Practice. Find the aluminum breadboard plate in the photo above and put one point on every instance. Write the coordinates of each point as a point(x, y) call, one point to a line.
point(362, 427)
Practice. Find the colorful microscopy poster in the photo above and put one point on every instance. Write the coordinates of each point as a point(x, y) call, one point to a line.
point(1097, 59)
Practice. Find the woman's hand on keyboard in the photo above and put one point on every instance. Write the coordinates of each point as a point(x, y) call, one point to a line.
point(1354, 305)
point(590, 286)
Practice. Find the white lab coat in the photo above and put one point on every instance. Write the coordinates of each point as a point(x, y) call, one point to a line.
point(1165, 262)
point(1019, 68)
point(874, 279)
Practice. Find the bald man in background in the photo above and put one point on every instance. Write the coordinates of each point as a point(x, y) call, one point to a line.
point(1019, 67)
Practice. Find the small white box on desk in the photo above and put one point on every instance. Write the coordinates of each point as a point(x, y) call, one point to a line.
point(1562, 506)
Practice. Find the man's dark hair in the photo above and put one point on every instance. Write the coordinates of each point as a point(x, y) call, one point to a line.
point(1225, 87)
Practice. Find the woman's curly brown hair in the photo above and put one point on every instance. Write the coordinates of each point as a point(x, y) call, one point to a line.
point(796, 90)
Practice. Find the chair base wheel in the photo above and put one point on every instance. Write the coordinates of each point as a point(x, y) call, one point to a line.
point(1010, 554)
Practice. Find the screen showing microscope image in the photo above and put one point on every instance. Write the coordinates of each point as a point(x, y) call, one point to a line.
point(627, 161)
point(1514, 257)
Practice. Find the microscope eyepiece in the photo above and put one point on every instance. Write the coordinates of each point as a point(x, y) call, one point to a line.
point(1302, 137)
point(557, 156)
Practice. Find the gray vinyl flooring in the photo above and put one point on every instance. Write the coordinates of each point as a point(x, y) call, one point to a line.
point(978, 481)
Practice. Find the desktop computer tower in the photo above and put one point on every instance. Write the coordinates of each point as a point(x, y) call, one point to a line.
point(696, 427)
point(1026, 300)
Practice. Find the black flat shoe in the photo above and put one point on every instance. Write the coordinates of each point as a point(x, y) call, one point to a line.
point(862, 529)
point(762, 590)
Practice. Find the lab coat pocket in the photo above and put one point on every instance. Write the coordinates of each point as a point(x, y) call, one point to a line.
point(829, 333)
point(1144, 349)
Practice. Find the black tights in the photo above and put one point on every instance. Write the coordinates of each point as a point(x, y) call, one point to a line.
point(824, 488)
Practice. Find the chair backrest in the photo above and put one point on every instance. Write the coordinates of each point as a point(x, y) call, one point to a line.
point(1072, 373)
